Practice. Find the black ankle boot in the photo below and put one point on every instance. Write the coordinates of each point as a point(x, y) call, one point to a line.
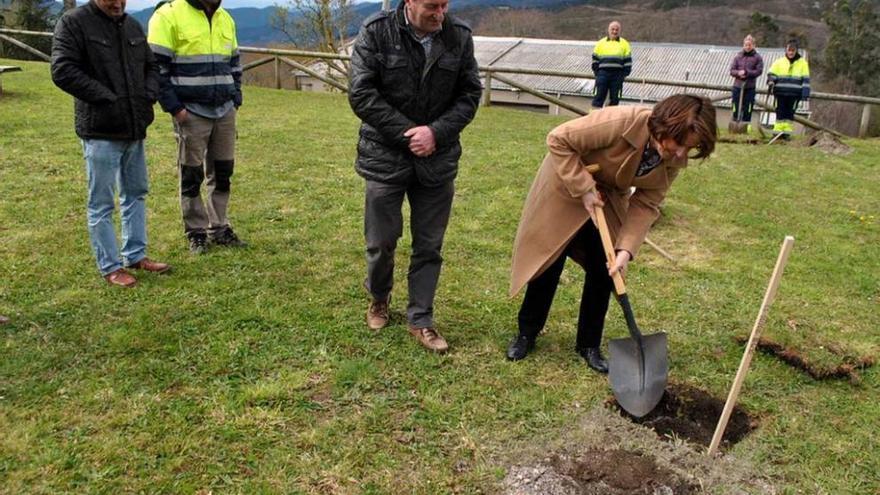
point(520, 347)
point(594, 359)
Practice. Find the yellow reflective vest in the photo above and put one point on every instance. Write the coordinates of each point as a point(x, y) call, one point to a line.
point(790, 77)
point(198, 57)
point(612, 55)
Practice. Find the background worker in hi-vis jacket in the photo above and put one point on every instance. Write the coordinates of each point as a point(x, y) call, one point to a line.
point(789, 81)
point(200, 86)
point(612, 62)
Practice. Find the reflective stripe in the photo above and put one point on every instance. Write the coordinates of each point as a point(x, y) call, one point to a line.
point(200, 59)
point(161, 50)
point(202, 80)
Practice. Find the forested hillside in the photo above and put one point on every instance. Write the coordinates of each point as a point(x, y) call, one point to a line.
point(679, 21)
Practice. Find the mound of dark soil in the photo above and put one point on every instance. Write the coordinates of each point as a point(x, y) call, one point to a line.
point(692, 414)
point(827, 143)
point(604, 453)
point(623, 472)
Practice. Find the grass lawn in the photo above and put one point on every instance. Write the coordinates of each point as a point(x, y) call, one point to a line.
point(252, 370)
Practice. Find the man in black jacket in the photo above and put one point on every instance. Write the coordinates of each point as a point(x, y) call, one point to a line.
point(100, 56)
point(415, 86)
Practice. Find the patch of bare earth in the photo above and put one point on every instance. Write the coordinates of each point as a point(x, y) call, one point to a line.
point(607, 453)
point(848, 369)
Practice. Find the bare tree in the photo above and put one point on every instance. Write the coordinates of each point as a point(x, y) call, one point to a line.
point(316, 24)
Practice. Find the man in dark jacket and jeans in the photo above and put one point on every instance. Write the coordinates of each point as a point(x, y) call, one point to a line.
point(415, 85)
point(100, 56)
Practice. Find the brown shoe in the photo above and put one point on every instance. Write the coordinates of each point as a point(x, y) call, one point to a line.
point(121, 278)
point(148, 265)
point(377, 314)
point(429, 338)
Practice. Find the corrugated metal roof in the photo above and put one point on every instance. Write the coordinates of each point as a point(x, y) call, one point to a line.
point(708, 64)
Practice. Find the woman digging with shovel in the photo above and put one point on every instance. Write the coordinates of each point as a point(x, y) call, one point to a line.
point(625, 147)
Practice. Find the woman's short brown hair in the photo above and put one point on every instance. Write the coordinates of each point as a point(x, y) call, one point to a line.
point(681, 116)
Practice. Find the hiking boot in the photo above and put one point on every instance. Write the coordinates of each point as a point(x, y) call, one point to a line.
point(377, 314)
point(430, 339)
point(198, 243)
point(227, 238)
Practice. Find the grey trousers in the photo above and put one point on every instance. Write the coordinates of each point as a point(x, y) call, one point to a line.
point(205, 153)
point(383, 225)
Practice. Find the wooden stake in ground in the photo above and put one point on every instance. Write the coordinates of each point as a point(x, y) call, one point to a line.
point(753, 342)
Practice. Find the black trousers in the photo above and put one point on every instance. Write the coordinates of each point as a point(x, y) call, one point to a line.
point(785, 107)
point(594, 300)
point(748, 104)
point(608, 84)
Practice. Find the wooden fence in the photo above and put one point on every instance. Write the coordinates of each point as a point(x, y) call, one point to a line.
point(336, 63)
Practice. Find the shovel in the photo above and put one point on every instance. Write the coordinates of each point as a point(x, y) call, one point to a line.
point(738, 126)
point(638, 367)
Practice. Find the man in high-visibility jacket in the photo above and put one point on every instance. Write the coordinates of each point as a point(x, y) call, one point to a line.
point(789, 81)
point(200, 86)
point(612, 62)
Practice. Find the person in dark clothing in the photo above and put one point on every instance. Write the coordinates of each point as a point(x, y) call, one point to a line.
point(745, 68)
point(414, 83)
point(100, 56)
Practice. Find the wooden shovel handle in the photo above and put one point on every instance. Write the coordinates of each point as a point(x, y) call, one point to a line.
point(607, 244)
point(602, 225)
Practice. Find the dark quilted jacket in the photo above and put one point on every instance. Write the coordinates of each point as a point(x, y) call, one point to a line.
point(394, 87)
point(108, 67)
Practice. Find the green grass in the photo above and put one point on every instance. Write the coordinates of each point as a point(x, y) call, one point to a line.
point(252, 371)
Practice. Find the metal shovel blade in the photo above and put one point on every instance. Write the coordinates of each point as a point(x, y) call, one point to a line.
point(638, 374)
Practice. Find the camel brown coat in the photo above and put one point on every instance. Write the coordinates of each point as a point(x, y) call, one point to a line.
point(614, 138)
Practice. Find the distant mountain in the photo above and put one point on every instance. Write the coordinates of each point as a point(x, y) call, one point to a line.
point(252, 24)
point(254, 29)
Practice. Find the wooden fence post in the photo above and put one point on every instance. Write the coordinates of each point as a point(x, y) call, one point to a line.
point(866, 120)
point(487, 91)
point(277, 73)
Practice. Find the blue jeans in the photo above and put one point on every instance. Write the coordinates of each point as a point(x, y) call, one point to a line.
point(112, 164)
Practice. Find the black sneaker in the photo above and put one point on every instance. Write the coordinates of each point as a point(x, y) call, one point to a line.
point(198, 243)
point(227, 237)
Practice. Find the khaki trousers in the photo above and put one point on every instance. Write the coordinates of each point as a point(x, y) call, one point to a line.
point(205, 151)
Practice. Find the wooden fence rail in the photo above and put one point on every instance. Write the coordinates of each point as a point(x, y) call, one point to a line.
point(490, 72)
